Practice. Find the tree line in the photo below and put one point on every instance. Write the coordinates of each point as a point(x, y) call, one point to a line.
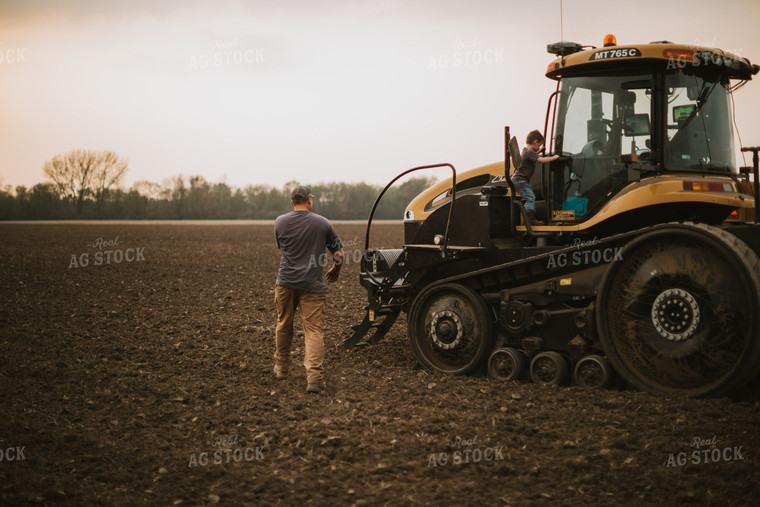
point(84, 184)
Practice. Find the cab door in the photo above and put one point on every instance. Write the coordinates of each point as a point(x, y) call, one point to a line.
point(601, 121)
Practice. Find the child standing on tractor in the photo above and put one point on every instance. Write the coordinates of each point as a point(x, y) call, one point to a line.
point(523, 174)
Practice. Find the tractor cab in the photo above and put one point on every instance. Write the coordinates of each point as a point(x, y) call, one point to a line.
point(626, 113)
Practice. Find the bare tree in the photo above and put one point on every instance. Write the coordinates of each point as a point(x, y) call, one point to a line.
point(80, 173)
point(109, 170)
point(148, 189)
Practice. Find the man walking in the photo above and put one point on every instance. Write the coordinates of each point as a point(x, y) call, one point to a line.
point(302, 237)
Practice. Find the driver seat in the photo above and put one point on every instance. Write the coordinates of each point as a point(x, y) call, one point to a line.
point(514, 153)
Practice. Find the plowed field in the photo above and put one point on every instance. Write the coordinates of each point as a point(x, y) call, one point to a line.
point(143, 377)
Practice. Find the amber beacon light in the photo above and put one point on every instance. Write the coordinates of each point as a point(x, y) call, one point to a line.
point(610, 40)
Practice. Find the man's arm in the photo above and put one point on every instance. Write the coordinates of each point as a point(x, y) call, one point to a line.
point(333, 273)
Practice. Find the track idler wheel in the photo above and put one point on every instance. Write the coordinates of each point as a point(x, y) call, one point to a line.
point(594, 372)
point(680, 313)
point(549, 368)
point(507, 364)
point(450, 329)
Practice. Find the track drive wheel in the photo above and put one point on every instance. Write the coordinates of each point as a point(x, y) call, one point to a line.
point(549, 368)
point(594, 372)
point(507, 364)
point(679, 314)
point(450, 329)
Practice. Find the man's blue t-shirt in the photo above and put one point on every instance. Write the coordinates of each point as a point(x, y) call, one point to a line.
point(302, 237)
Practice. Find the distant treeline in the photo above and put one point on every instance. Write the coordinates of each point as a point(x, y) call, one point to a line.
point(196, 198)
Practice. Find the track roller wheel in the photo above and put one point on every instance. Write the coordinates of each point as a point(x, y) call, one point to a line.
point(450, 329)
point(549, 368)
point(594, 372)
point(679, 314)
point(507, 364)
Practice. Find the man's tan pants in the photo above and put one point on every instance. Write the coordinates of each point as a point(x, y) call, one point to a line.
point(313, 317)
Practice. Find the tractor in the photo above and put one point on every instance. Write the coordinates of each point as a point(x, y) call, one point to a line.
point(646, 268)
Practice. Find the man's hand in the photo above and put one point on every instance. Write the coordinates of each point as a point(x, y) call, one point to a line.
point(333, 273)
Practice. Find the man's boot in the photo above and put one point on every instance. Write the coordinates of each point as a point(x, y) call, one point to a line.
point(532, 219)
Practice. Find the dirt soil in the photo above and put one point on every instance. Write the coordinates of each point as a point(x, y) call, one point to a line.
point(149, 382)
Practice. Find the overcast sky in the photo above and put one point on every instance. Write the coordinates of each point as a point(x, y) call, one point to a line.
point(259, 92)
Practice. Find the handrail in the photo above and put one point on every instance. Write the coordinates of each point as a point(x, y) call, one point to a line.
point(451, 208)
point(547, 135)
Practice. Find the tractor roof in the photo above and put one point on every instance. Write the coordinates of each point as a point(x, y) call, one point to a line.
point(576, 59)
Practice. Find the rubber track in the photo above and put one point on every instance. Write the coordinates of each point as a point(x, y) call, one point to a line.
point(751, 261)
point(525, 270)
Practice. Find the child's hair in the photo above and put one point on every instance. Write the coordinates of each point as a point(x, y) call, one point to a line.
point(534, 135)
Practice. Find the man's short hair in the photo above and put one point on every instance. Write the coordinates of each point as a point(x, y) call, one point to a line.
point(534, 135)
point(300, 195)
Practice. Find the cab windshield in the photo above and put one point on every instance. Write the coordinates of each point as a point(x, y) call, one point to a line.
point(605, 122)
point(611, 116)
point(698, 123)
